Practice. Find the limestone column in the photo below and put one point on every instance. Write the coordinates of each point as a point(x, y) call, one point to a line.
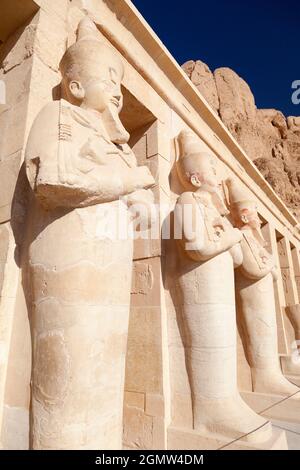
point(296, 264)
point(293, 311)
point(30, 73)
point(287, 271)
point(79, 165)
point(290, 288)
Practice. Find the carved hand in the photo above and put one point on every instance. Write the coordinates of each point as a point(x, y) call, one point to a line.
point(141, 178)
point(140, 204)
point(237, 255)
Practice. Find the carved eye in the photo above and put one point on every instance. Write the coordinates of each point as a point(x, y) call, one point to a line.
point(113, 76)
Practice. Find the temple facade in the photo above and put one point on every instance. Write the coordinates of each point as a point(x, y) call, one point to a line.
point(183, 337)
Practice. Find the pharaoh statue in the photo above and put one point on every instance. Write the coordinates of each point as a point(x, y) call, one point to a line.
point(208, 251)
point(255, 298)
point(79, 165)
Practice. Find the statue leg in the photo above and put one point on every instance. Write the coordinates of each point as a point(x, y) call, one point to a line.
point(208, 309)
point(257, 314)
point(81, 296)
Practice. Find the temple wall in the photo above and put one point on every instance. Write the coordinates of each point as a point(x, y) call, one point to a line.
point(30, 73)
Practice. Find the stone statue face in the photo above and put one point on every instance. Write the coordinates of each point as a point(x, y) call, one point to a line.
point(98, 94)
point(205, 179)
point(249, 216)
point(97, 87)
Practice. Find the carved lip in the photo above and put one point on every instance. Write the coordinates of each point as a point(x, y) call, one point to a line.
point(115, 102)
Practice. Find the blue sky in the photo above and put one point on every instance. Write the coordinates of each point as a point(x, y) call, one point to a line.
point(260, 40)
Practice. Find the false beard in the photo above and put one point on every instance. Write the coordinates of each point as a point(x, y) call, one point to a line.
point(259, 237)
point(115, 129)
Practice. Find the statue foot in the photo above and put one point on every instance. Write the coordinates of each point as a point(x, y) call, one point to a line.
point(274, 383)
point(232, 419)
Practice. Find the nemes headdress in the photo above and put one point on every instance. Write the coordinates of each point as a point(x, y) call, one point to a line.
point(191, 158)
point(89, 55)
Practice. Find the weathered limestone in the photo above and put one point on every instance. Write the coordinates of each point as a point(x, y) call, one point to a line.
point(66, 270)
point(207, 253)
point(203, 79)
point(16, 72)
point(78, 165)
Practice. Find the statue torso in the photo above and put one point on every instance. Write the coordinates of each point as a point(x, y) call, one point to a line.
point(256, 259)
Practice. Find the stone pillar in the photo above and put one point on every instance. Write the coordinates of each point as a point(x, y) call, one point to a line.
point(290, 287)
point(30, 74)
point(287, 271)
point(296, 263)
point(145, 402)
point(269, 233)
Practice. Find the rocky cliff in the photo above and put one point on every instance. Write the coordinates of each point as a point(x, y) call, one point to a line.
point(270, 139)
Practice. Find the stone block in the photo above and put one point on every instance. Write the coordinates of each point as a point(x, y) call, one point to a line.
point(37, 37)
point(138, 429)
point(13, 126)
point(4, 241)
point(56, 7)
point(139, 147)
point(15, 432)
point(145, 290)
point(146, 248)
point(155, 405)
point(43, 85)
point(20, 46)
point(144, 355)
point(159, 434)
point(157, 143)
point(9, 170)
point(16, 13)
point(17, 81)
point(163, 178)
point(136, 400)
point(51, 30)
